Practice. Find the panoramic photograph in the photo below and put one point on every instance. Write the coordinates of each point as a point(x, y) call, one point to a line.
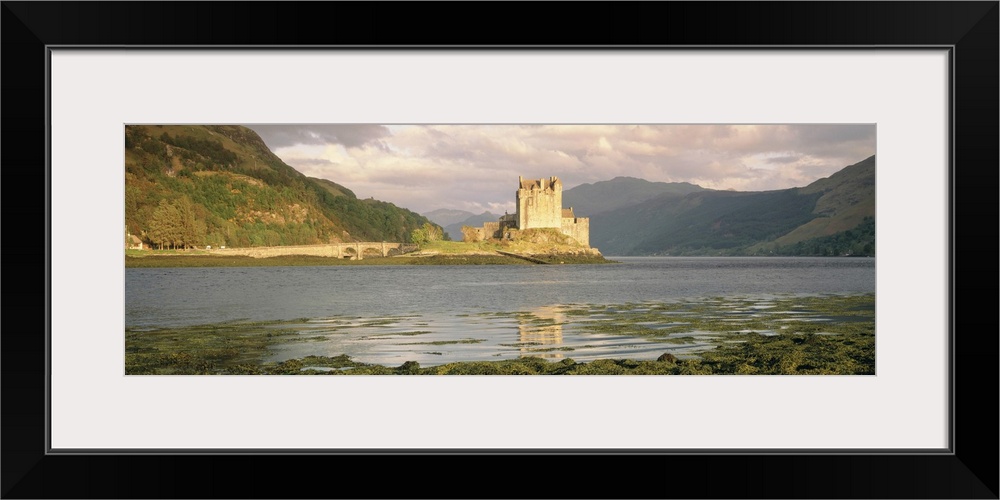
point(498, 249)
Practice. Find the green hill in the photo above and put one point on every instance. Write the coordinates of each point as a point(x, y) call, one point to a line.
point(848, 197)
point(845, 216)
point(832, 216)
point(194, 185)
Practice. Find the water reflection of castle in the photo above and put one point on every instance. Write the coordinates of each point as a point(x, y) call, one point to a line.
point(541, 331)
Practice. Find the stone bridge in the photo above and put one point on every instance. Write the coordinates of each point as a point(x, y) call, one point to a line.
point(354, 250)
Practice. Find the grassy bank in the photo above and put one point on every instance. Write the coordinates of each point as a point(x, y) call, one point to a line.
point(204, 259)
point(309, 260)
point(545, 245)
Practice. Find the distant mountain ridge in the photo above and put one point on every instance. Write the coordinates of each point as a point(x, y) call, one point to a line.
point(620, 192)
point(446, 216)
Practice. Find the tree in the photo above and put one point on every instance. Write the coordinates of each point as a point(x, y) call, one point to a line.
point(165, 225)
point(419, 236)
point(133, 200)
point(271, 238)
point(426, 234)
point(215, 239)
point(192, 230)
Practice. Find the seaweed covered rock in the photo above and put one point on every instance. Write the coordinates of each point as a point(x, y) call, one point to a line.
point(667, 357)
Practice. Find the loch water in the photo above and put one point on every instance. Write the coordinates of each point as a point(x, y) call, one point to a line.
point(439, 314)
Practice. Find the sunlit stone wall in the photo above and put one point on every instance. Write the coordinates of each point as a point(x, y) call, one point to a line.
point(539, 203)
point(577, 228)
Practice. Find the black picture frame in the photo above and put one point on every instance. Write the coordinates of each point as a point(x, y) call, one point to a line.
point(969, 28)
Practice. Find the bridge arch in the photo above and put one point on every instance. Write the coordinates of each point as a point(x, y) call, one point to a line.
point(349, 252)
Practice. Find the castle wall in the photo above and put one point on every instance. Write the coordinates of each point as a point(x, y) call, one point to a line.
point(491, 229)
point(508, 221)
point(577, 228)
point(480, 235)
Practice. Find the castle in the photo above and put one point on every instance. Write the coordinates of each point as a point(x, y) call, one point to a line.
point(539, 205)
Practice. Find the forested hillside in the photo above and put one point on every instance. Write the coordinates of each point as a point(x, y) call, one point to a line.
point(220, 185)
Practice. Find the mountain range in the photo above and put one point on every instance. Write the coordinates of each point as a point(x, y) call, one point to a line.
point(831, 216)
point(445, 217)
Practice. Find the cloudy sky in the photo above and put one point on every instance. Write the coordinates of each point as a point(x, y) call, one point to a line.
point(475, 167)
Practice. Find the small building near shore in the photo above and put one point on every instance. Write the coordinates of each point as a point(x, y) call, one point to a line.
point(133, 242)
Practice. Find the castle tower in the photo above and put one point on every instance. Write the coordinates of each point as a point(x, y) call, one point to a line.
point(539, 203)
point(539, 206)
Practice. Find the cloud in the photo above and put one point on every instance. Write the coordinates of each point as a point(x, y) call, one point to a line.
point(311, 167)
point(279, 136)
point(475, 167)
point(783, 159)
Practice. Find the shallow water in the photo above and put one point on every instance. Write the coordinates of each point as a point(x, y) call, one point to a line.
point(544, 333)
point(638, 309)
